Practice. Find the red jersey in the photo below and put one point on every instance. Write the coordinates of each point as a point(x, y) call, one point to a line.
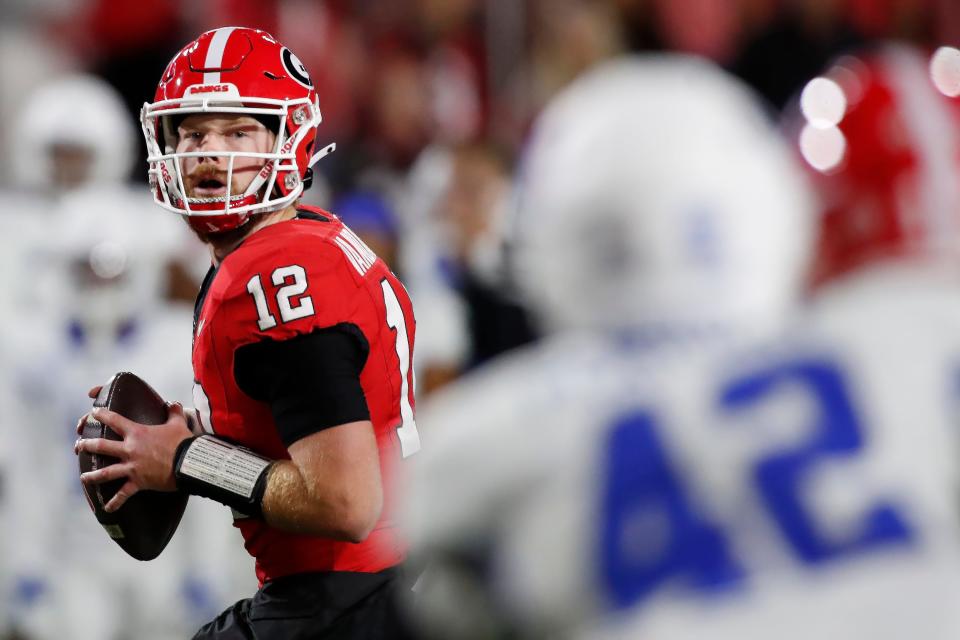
point(290, 279)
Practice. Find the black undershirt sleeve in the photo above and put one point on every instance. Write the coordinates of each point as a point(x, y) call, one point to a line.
point(311, 382)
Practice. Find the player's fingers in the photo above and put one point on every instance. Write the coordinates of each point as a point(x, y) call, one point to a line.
point(94, 391)
point(121, 496)
point(106, 474)
point(102, 446)
point(114, 420)
point(82, 421)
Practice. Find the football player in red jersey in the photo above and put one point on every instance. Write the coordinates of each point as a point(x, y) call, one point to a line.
point(302, 351)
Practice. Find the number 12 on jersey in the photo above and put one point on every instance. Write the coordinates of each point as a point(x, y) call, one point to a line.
point(288, 311)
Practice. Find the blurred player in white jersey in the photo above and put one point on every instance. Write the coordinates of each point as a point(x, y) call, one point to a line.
point(110, 316)
point(72, 133)
point(72, 136)
point(677, 461)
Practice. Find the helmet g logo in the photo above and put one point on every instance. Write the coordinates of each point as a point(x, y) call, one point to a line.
point(295, 68)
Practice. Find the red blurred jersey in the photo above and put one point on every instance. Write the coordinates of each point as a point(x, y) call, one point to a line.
point(285, 280)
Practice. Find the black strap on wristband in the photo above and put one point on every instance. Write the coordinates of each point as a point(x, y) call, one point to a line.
point(215, 468)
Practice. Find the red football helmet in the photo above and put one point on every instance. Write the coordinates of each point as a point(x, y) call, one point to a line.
point(883, 133)
point(234, 70)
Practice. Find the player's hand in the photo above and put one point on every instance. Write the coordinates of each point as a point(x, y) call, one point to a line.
point(145, 453)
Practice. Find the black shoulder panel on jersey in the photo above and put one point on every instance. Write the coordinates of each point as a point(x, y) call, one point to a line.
point(311, 382)
point(310, 215)
point(202, 294)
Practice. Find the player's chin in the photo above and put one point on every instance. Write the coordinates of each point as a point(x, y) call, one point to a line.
point(220, 237)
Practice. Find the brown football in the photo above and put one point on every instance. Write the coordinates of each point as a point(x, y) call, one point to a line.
point(145, 523)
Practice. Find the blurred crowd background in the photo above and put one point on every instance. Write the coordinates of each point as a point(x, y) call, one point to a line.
point(430, 103)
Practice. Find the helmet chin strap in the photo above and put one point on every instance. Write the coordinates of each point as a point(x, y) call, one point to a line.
point(308, 177)
point(327, 150)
